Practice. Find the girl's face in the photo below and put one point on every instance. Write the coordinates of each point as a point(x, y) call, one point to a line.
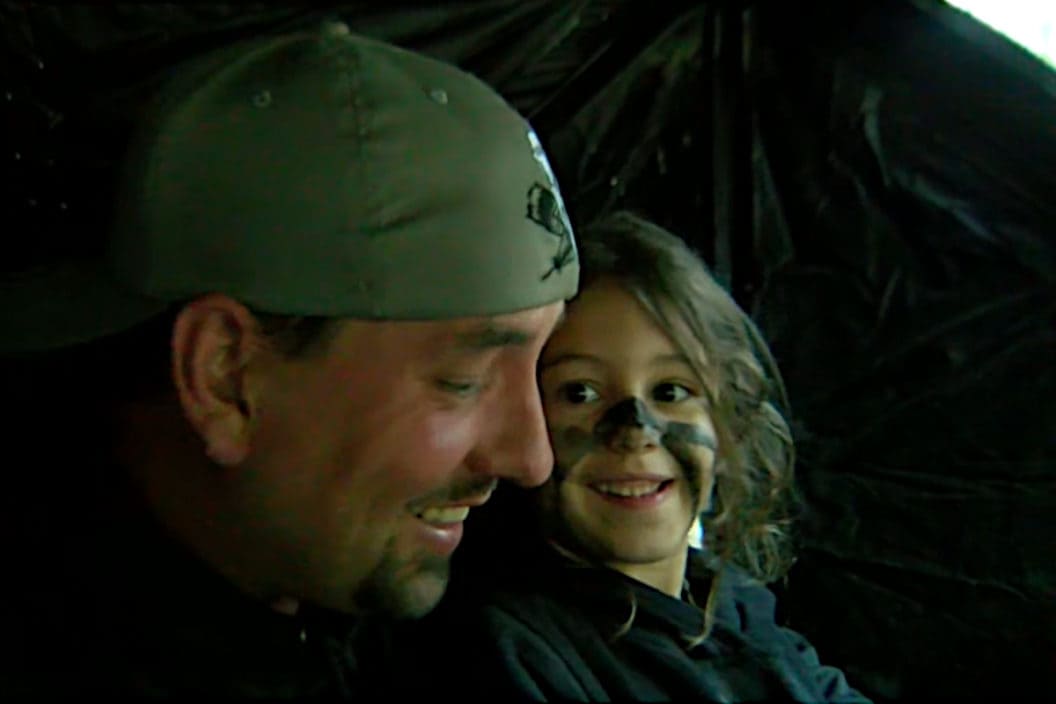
point(633, 441)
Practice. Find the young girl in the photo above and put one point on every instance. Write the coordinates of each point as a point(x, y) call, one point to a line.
point(659, 398)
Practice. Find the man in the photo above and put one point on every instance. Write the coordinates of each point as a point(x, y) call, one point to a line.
point(309, 350)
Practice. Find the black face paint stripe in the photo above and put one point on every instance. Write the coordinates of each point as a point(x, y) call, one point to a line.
point(677, 438)
point(628, 413)
point(570, 446)
point(688, 462)
point(691, 435)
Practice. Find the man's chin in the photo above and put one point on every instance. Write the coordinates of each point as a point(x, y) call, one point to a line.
point(406, 593)
point(419, 596)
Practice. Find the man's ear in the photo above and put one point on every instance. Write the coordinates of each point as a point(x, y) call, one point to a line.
point(213, 339)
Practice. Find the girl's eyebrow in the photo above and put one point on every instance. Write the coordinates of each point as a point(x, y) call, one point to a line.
point(675, 358)
point(569, 357)
point(659, 360)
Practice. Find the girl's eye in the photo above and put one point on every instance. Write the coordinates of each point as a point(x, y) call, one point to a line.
point(577, 392)
point(669, 392)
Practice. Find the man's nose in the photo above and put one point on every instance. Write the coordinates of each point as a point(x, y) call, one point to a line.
point(517, 446)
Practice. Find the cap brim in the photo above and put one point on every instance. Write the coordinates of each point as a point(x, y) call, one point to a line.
point(66, 304)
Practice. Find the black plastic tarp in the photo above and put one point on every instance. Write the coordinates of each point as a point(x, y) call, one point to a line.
point(875, 185)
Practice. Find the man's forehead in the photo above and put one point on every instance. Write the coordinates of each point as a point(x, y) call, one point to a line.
point(510, 330)
point(466, 335)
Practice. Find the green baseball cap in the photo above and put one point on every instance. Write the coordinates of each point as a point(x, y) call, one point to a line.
point(321, 174)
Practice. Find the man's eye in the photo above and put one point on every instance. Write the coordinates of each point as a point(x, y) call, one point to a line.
point(577, 392)
point(462, 389)
point(669, 392)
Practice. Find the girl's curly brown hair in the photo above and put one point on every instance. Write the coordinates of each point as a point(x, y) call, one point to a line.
point(748, 521)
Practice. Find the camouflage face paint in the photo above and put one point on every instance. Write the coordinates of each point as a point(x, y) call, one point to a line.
point(689, 434)
point(629, 416)
point(571, 445)
point(683, 441)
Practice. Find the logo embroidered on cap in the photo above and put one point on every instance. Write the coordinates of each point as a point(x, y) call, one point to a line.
point(546, 209)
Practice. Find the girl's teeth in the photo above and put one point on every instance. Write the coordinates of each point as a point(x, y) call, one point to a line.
point(443, 516)
point(629, 489)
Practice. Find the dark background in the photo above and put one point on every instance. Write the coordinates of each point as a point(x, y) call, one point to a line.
point(875, 182)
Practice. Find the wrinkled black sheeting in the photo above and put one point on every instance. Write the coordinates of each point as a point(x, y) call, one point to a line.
point(908, 154)
point(74, 78)
point(899, 257)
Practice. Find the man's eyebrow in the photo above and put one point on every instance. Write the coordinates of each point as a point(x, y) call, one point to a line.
point(490, 336)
